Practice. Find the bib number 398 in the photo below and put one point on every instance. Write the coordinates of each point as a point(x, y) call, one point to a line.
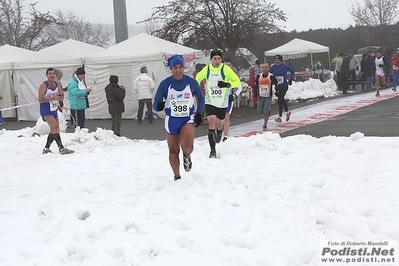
point(180, 108)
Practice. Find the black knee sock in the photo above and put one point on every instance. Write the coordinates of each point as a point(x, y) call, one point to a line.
point(50, 139)
point(57, 138)
point(212, 138)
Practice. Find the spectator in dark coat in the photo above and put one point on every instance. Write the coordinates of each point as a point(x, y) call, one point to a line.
point(115, 95)
point(344, 73)
point(367, 71)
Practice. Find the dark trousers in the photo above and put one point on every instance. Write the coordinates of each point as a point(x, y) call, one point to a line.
point(148, 102)
point(282, 103)
point(339, 78)
point(352, 76)
point(78, 118)
point(344, 82)
point(116, 123)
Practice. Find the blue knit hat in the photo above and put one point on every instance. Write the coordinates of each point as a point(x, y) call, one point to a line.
point(176, 59)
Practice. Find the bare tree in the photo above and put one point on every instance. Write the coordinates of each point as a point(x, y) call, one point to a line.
point(225, 24)
point(21, 31)
point(152, 26)
point(375, 12)
point(71, 26)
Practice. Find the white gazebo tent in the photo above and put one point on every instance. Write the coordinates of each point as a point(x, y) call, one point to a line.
point(30, 72)
point(125, 60)
point(297, 47)
point(8, 55)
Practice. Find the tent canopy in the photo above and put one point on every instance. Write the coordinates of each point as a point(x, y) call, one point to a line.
point(139, 48)
point(298, 46)
point(9, 54)
point(63, 54)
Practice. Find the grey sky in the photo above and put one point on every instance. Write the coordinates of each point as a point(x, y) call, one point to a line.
point(302, 14)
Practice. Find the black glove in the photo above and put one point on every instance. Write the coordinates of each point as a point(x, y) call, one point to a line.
point(160, 106)
point(290, 82)
point(222, 84)
point(197, 119)
point(232, 98)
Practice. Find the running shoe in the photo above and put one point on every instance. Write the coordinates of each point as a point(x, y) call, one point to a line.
point(46, 150)
point(278, 120)
point(219, 135)
point(224, 139)
point(64, 151)
point(377, 94)
point(188, 164)
point(177, 178)
point(287, 116)
point(264, 127)
point(212, 154)
point(394, 89)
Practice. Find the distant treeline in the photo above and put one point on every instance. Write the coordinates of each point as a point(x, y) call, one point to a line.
point(338, 40)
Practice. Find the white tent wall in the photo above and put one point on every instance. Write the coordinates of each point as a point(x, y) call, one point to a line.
point(125, 60)
point(8, 55)
point(30, 72)
point(7, 91)
point(26, 84)
point(127, 73)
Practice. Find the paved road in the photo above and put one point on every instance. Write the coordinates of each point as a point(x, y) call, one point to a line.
point(378, 119)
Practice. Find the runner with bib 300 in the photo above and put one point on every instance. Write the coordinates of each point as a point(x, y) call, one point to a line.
point(219, 79)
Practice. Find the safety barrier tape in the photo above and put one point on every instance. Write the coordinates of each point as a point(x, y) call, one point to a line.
point(16, 105)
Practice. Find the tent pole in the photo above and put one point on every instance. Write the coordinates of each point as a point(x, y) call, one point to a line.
point(311, 59)
point(329, 60)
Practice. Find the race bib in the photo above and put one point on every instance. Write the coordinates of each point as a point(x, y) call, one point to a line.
point(264, 91)
point(179, 108)
point(395, 67)
point(216, 92)
point(53, 105)
point(280, 79)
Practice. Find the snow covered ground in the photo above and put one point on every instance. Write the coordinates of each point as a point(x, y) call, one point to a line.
point(267, 201)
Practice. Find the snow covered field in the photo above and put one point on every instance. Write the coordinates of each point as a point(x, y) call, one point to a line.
point(268, 201)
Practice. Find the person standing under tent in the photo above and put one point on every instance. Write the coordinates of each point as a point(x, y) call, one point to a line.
point(367, 71)
point(219, 79)
point(77, 94)
point(115, 95)
point(49, 95)
point(279, 70)
point(144, 86)
point(175, 95)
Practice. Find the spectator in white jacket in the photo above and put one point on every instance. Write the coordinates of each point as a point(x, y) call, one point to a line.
point(144, 86)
